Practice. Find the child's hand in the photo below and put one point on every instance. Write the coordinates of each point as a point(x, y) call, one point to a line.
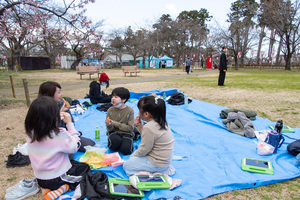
point(63, 108)
point(108, 121)
point(137, 121)
point(66, 117)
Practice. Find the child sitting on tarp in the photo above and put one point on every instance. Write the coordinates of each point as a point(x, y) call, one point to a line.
point(119, 122)
point(53, 90)
point(155, 151)
point(49, 146)
point(96, 94)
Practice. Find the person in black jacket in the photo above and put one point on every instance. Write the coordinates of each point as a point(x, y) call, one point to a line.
point(223, 66)
point(96, 94)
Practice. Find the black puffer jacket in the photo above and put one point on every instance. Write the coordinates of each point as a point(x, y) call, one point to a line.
point(97, 96)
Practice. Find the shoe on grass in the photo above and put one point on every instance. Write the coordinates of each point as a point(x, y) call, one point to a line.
point(17, 160)
point(25, 181)
point(22, 190)
point(22, 148)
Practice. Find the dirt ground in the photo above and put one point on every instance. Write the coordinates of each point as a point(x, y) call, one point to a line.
point(12, 119)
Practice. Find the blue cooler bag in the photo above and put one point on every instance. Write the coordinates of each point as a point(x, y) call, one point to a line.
point(275, 139)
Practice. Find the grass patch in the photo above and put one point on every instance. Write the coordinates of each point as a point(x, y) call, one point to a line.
point(245, 79)
point(11, 179)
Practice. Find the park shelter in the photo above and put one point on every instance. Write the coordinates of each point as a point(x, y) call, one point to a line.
point(127, 59)
point(67, 61)
point(34, 63)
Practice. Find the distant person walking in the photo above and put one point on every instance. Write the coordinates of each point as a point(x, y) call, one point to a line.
point(187, 64)
point(223, 66)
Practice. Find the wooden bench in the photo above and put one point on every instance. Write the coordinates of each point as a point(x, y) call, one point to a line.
point(90, 70)
point(130, 70)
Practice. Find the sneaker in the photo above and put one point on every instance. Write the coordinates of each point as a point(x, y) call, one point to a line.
point(26, 181)
point(17, 160)
point(22, 148)
point(22, 190)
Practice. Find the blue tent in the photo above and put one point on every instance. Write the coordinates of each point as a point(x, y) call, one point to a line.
point(167, 61)
point(154, 62)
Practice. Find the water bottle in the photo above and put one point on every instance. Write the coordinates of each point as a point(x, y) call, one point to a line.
point(278, 126)
point(76, 115)
point(97, 133)
point(186, 101)
point(164, 95)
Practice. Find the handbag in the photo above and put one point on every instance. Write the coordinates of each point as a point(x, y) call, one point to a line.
point(275, 139)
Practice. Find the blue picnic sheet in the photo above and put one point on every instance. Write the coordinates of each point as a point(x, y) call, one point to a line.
point(211, 155)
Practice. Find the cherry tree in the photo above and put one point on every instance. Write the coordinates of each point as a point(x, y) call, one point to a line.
point(22, 21)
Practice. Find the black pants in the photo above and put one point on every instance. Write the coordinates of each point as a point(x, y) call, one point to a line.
point(187, 69)
point(120, 142)
point(72, 177)
point(221, 77)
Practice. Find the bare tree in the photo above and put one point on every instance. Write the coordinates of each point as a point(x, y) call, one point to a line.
point(285, 18)
point(117, 44)
point(241, 16)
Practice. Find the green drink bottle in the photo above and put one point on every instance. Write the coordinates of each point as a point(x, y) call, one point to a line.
point(97, 133)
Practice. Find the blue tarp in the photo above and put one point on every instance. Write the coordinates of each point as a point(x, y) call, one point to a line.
point(212, 155)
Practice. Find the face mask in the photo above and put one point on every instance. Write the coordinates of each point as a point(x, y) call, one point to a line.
point(102, 83)
point(118, 105)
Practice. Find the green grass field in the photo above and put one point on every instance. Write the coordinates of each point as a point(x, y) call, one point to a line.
point(273, 94)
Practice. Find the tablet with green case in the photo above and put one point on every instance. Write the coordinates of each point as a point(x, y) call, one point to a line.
point(257, 166)
point(152, 182)
point(122, 187)
point(285, 129)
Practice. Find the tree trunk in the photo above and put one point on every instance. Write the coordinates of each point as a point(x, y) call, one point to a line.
point(261, 37)
point(272, 40)
point(120, 58)
point(177, 60)
point(288, 59)
point(144, 63)
point(75, 63)
point(278, 51)
point(236, 62)
point(242, 61)
point(52, 60)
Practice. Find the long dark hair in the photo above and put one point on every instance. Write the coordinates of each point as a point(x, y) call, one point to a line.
point(156, 107)
point(42, 118)
point(48, 88)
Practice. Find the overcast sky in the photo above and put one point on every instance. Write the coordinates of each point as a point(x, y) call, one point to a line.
point(139, 13)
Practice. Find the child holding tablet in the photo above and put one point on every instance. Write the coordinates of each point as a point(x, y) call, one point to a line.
point(157, 143)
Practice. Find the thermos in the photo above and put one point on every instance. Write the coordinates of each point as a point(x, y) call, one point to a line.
point(186, 99)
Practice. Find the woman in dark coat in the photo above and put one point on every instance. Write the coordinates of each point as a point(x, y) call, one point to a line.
point(96, 94)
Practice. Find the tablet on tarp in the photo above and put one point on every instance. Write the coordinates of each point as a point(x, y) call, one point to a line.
point(123, 187)
point(257, 166)
point(152, 182)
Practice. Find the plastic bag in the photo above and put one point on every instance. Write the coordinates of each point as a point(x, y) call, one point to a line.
point(264, 148)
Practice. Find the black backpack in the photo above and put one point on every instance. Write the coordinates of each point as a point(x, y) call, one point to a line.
point(95, 186)
point(294, 148)
point(177, 98)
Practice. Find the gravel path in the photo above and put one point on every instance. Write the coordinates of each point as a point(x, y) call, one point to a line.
point(34, 89)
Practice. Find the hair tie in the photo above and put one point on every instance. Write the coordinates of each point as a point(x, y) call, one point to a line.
point(155, 99)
